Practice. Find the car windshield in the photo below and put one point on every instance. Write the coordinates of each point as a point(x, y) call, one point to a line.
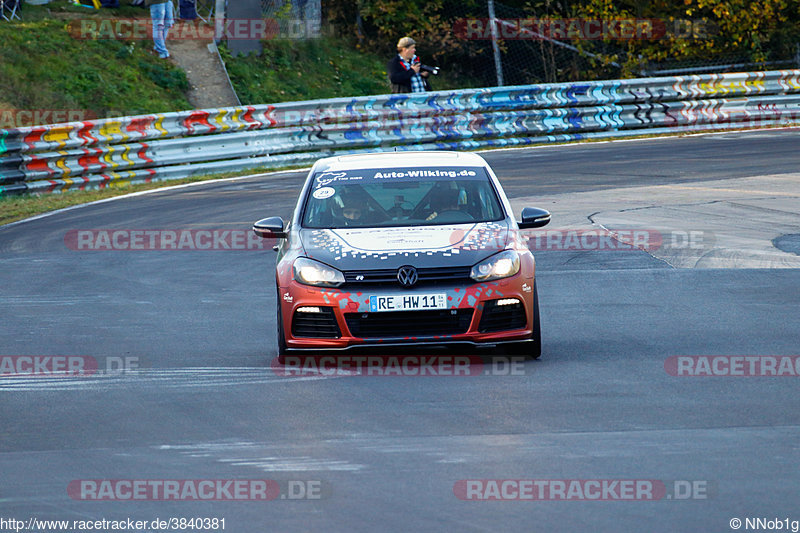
point(400, 197)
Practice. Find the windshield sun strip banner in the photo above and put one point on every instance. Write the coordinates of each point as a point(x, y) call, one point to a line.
point(383, 175)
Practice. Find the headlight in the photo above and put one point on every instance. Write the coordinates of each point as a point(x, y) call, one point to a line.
point(498, 266)
point(310, 272)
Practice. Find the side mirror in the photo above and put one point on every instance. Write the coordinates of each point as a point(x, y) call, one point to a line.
point(533, 217)
point(270, 228)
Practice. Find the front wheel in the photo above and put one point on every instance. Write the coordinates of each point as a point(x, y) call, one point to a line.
point(531, 349)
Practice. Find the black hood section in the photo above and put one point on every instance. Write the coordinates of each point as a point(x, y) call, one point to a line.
point(418, 246)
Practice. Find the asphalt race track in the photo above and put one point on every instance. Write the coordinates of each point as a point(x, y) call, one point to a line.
point(200, 399)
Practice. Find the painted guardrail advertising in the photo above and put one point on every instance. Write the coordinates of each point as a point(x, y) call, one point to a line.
point(99, 153)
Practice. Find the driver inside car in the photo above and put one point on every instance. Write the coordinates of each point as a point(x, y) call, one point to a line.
point(356, 208)
point(447, 202)
point(352, 213)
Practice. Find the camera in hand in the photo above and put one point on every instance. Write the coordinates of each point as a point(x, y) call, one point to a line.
point(432, 70)
point(426, 68)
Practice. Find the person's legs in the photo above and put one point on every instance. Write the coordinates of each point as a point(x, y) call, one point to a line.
point(158, 13)
point(169, 20)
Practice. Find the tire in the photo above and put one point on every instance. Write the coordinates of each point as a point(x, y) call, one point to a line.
point(280, 335)
point(530, 349)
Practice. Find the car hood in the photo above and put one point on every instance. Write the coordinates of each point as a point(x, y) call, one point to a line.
point(420, 246)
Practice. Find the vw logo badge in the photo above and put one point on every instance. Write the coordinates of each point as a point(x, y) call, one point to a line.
point(407, 276)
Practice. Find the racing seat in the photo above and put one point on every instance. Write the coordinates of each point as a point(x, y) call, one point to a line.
point(8, 9)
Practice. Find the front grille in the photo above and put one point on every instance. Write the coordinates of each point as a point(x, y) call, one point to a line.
point(425, 275)
point(320, 325)
point(502, 317)
point(401, 324)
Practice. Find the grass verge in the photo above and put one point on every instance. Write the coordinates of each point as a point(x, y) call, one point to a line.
point(45, 70)
point(291, 70)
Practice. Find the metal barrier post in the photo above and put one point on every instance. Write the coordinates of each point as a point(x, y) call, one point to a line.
point(498, 65)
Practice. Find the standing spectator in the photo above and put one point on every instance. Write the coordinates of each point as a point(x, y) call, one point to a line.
point(404, 69)
point(187, 9)
point(161, 12)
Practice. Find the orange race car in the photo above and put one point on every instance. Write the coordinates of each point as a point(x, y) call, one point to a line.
point(405, 249)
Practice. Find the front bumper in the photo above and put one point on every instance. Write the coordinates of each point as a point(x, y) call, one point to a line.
point(340, 319)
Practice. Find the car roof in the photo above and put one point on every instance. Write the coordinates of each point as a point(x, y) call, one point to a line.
point(400, 160)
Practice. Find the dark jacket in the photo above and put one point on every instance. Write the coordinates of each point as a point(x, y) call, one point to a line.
point(400, 76)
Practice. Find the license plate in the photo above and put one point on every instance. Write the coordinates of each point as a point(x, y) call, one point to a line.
point(408, 302)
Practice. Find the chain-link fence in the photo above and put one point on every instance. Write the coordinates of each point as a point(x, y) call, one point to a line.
point(512, 46)
point(488, 43)
point(533, 55)
point(307, 10)
point(721, 64)
point(502, 48)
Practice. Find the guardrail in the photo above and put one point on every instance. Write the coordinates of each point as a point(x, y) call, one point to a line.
point(100, 153)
